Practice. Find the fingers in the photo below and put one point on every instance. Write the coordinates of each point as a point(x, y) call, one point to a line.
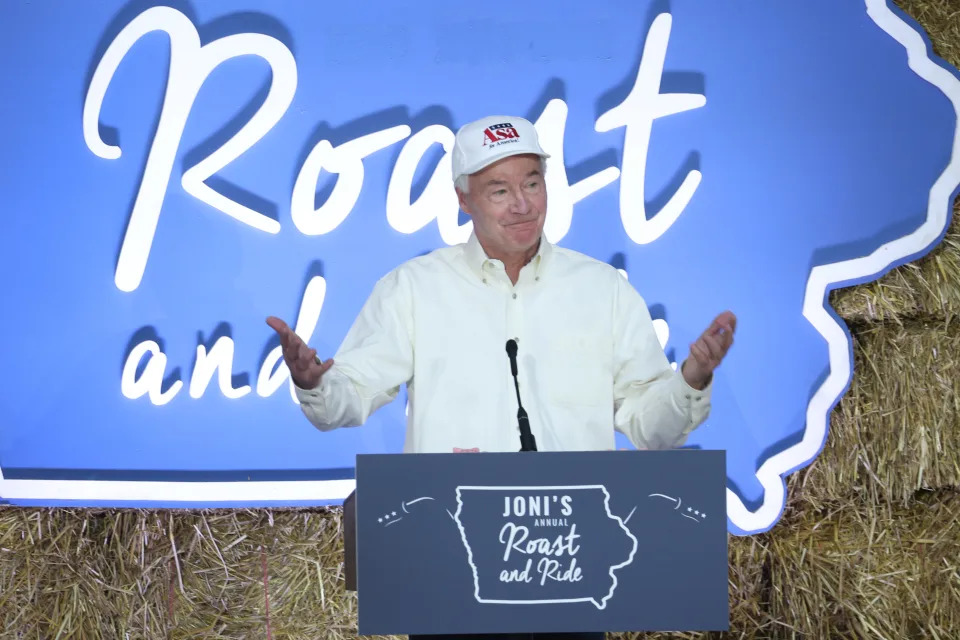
point(277, 325)
point(722, 329)
point(293, 347)
point(716, 347)
point(724, 323)
point(288, 339)
point(302, 352)
point(324, 367)
point(709, 350)
point(728, 318)
point(700, 355)
point(307, 369)
point(302, 361)
point(308, 375)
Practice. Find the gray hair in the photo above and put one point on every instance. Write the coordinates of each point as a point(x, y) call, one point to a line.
point(463, 181)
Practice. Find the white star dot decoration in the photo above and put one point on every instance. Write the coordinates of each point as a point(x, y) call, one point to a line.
point(696, 512)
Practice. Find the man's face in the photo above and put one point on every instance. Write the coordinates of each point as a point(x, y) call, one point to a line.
point(508, 205)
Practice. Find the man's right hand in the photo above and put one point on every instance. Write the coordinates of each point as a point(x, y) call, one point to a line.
point(305, 368)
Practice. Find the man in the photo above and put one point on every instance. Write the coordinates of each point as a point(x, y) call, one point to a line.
point(588, 354)
point(589, 358)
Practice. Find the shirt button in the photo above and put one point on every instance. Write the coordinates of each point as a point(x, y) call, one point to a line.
point(484, 281)
point(514, 296)
point(537, 279)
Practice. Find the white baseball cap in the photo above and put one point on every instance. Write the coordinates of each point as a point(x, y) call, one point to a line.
point(482, 142)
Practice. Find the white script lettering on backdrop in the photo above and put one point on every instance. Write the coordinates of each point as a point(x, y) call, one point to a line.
point(191, 64)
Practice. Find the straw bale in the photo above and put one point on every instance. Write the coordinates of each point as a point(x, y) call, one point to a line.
point(928, 287)
point(941, 21)
point(859, 571)
point(200, 574)
point(898, 428)
point(69, 573)
point(173, 574)
point(852, 570)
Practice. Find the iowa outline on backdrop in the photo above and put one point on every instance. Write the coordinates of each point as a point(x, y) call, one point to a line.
point(286, 157)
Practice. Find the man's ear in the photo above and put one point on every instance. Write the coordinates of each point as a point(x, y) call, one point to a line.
point(462, 199)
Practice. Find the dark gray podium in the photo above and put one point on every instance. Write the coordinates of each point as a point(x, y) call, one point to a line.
point(538, 543)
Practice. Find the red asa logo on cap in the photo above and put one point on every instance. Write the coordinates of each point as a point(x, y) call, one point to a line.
point(498, 132)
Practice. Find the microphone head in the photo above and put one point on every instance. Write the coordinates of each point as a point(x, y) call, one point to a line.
point(512, 348)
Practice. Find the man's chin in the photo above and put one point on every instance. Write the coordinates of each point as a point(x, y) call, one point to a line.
point(524, 234)
point(524, 244)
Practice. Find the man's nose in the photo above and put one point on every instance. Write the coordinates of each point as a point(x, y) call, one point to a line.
point(521, 204)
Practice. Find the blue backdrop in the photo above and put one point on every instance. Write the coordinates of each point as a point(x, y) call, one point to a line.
point(161, 199)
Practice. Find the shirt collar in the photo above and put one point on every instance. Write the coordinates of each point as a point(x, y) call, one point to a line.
point(477, 257)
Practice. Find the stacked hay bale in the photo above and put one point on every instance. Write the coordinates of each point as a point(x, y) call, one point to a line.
point(869, 545)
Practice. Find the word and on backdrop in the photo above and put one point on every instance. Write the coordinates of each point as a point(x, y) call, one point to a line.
point(175, 174)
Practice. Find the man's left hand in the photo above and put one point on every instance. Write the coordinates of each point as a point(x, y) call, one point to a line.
point(708, 351)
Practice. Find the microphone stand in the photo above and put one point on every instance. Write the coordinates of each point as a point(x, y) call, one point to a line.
point(527, 441)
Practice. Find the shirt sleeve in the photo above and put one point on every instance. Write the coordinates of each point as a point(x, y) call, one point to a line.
point(653, 404)
point(374, 360)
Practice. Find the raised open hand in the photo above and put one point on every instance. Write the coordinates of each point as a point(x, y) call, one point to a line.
point(305, 367)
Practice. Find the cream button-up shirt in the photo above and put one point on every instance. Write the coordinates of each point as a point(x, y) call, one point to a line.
point(589, 360)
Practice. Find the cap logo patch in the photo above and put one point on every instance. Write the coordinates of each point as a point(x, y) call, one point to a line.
point(498, 133)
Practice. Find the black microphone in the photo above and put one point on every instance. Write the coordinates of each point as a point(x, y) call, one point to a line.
point(527, 441)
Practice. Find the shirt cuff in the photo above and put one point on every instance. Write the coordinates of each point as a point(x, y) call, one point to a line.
point(308, 394)
point(694, 396)
point(695, 403)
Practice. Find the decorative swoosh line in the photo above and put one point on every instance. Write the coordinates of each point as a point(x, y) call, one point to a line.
point(403, 505)
point(679, 501)
point(660, 495)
